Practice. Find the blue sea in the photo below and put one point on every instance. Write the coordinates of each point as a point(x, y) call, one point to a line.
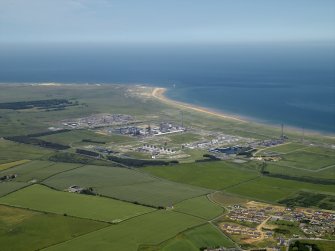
point(289, 83)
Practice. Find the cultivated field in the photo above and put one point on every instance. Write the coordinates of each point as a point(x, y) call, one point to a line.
point(8, 187)
point(23, 230)
point(12, 164)
point(216, 175)
point(126, 184)
point(149, 229)
point(38, 170)
point(200, 207)
point(44, 199)
point(203, 236)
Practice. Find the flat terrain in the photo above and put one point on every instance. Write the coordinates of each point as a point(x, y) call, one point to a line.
point(8, 187)
point(170, 207)
point(38, 170)
point(126, 184)
point(192, 240)
point(22, 230)
point(213, 175)
point(42, 198)
point(232, 178)
point(12, 164)
point(149, 229)
point(200, 207)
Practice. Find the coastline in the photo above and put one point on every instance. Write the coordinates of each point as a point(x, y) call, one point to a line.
point(158, 93)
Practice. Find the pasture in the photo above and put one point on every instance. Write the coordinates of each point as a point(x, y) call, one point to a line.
point(12, 164)
point(38, 170)
point(196, 238)
point(126, 184)
point(44, 199)
point(10, 151)
point(216, 175)
point(274, 189)
point(11, 186)
point(284, 148)
point(76, 137)
point(200, 207)
point(307, 160)
point(148, 229)
point(23, 230)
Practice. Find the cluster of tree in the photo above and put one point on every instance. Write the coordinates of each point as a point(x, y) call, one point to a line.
point(81, 159)
point(141, 162)
point(40, 134)
point(209, 157)
point(301, 246)
point(93, 141)
point(41, 104)
point(313, 180)
point(37, 142)
point(88, 191)
point(88, 153)
point(305, 199)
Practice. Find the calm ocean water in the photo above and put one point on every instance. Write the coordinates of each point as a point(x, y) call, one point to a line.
point(292, 84)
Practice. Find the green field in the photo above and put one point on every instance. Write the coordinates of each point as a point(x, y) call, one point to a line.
point(42, 198)
point(126, 184)
point(277, 168)
point(38, 170)
point(193, 240)
point(149, 229)
point(307, 160)
point(8, 187)
point(10, 151)
point(24, 230)
point(274, 189)
point(233, 179)
point(284, 148)
point(213, 175)
point(12, 164)
point(76, 137)
point(322, 245)
point(200, 207)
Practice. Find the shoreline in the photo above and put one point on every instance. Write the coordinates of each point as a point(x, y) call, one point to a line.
point(158, 93)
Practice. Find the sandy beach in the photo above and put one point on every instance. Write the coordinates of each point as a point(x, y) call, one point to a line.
point(158, 93)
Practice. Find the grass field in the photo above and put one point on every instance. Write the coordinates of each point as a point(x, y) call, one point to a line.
point(194, 239)
point(274, 189)
point(75, 137)
point(12, 164)
point(285, 148)
point(42, 198)
point(307, 160)
point(8, 187)
point(214, 175)
point(126, 184)
point(200, 207)
point(149, 229)
point(321, 245)
point(226, 199)
point(38, 170)
point(10, 151)
point(25, 230)
point(277, 168)
point(229, 177)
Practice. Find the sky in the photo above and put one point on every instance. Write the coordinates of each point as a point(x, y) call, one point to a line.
point(168, 21)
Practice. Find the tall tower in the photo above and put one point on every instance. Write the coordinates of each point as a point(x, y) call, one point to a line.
point(182, 118)
point(282, 131)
